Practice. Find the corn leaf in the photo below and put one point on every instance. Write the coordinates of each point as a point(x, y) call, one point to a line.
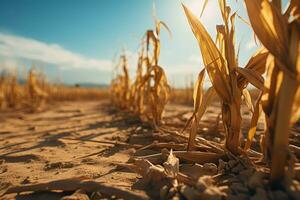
point(231, 57)
point(161, 23)
point(253, 123)
point(269, 26)
point(224, 10)
point(212, 58)
point(252, 77)
point(256, 63)
point(248, 100)
point(207, 99)
point(203, 7)
point(198, 90)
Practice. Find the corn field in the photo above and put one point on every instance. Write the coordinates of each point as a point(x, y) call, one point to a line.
point(233, 133)
point(37, 91)
point(273, 70)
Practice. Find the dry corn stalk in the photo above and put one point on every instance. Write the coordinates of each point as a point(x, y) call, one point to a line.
point(2, 90)
point(120, 86)
point(227, 78)
point(137, 89)
point(12, 91)
point(280, 34)
point(36, 95)
point(153, 85)
point(37, 89)
point(149, 93)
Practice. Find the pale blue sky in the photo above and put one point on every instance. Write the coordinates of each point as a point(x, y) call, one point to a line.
point(77, 39)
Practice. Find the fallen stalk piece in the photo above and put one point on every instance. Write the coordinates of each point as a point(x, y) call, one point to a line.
point(74, 184)
point(106, 142)
point(194, 156)
point(203, 143)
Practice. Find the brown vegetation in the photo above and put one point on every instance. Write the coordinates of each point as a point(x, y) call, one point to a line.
point(215, 150)
point(37, 91)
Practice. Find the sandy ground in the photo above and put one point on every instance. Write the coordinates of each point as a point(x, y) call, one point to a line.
point(76, 139)
point(61, 142)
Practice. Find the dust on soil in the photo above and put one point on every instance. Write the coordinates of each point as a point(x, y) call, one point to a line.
point(76, 139)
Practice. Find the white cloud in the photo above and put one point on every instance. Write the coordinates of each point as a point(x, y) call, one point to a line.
point(26, 48)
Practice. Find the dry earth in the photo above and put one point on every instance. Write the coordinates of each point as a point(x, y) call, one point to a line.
point(81, 139)
point(60, 143)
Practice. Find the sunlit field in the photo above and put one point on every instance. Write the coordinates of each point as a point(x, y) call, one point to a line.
point(146, 122)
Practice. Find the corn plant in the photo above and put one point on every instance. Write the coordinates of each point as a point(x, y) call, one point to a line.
point(149, 93)
point(120, 86)
point(36, 95)
point(2, 88)
point(12, 91)
point(154, 83)
point(137, 89)
point(280, 34)
point(227, 78)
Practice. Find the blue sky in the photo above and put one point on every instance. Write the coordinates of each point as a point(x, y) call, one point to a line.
point(76, 40)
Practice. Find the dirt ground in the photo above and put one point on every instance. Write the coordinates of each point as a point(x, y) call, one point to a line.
point(61, 142)
point(79, 139)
